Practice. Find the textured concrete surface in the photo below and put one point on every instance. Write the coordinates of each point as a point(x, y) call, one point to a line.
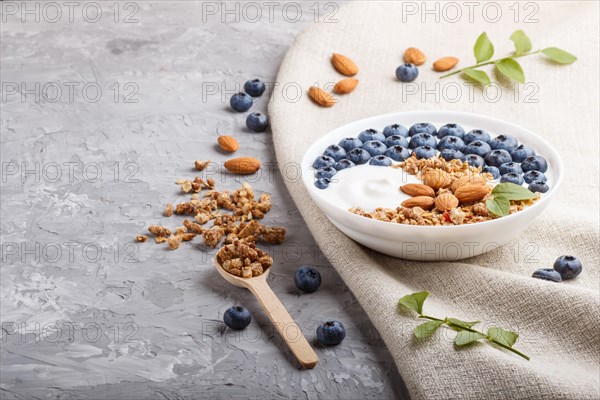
point(88, 313)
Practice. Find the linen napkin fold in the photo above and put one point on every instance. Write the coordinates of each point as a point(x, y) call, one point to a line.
point(558, 324)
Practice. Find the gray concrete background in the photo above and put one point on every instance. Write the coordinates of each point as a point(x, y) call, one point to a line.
point(88, 313)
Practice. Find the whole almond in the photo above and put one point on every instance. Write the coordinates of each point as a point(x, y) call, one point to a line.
point(321, 97)
point(425, 202)
point(436, 178)
point(344, 65)
point(446, 202)
point(242, 165)
point(417, 189)
point(474, 179)
point(445, 63)
point(414, 56)
point(345, 86)
point(228, 143)
point(471, 192)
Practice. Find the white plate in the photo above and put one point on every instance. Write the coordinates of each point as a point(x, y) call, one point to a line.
point(429, 243)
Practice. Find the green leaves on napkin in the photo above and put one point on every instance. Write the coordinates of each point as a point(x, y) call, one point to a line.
point(466, 334)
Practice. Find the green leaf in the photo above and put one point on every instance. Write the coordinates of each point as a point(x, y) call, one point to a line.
point(414, 301)
point(507, 338)
point(559, 56)
point(478, 75)
point(498, 205)
point(484, 49)
point(512, 191)
point(460, 323)
point(511, 69)
point(427, 329)
point(522, 42)
point(465, 337)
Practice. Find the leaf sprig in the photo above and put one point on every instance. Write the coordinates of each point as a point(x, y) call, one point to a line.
point(466, 333)
point(507, 66)
point(503, 193)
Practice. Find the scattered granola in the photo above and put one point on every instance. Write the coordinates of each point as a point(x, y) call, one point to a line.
point(201, 164)
point(157, 230)
point(460, 191)
point(141, 238)
point(168, 210)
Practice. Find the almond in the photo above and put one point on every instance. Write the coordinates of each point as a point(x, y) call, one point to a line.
point(470, 192)
point(445, 63)
point(425, 202)
point(344, 65)
point(446, 202)
point(321, 97)
point(345, 86)
point(228, 143)
point(417, 189)
point(414, 56)
point(475, 179)
point(243, 165)
point(436, 178)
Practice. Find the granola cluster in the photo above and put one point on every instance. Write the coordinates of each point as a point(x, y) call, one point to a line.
point(234, 219)
point(243, 259)
point(456, 172)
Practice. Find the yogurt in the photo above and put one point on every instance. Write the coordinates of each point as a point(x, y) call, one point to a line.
point(369, 187)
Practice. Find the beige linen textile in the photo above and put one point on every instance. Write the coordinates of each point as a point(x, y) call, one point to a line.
point(558, 323)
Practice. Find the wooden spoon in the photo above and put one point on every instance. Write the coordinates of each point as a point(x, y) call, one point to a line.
point(283, 321)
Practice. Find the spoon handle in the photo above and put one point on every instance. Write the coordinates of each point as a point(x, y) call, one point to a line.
point(286, 326)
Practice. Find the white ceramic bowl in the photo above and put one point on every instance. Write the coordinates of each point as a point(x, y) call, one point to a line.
point(431, 243)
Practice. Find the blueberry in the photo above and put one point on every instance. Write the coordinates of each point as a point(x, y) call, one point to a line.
point(474, 160)
point(510, 167)
point(424, 152)
point(237, 317)
point(323, 161)
point(343, 164)
point(381, 161)
point(538, 186)
point(336, 152)
point(407, 72)
point(241, 102)
point(521, 152)
point(512, 178)
point(531, 176)
point(422, 127)
point(568, 266)
point(451, 130)
point(497, 157)
point(395, 129)
point(331, 333)
point(397, 153)
point(547, 274)
point(358, 156)
point(350, 143)
point(307, 278)
point(504, 142)
point(255, 87)
point(451, 142)
point(492, 170)
point(322, 183)
point(374, 147)
point(535, 163)
point(396, 140)
point(257, 122)
point(451, 154)
point(478, 147)
point(422, 139)
point(477, 134)
point(326, 172)
point(371, 134)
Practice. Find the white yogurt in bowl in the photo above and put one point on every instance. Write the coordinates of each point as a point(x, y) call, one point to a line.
point(369, 187)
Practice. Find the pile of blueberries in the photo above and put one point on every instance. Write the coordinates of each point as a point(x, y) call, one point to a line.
point(241, 102)
point(502, 156)
point(308, 279)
